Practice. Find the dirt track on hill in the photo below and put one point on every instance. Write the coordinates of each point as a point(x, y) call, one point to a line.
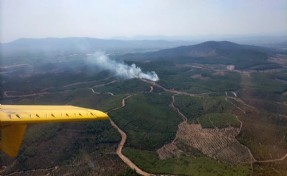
point(175, 151)
point(216, 143)
point(123, 141)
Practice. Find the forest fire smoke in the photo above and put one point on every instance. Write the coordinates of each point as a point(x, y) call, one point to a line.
point(120, 69)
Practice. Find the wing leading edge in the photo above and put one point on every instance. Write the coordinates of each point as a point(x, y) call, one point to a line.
point(14, 119)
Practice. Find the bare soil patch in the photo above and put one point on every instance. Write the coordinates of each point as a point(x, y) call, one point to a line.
point(220, 144)
point(199, 76)
point(279, 59)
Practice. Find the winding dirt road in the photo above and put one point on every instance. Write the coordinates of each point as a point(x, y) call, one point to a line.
point(6, 94)
point(184, 118)
point(125, 159)
point(177, 92)
point(241, 124)
point(151, 89)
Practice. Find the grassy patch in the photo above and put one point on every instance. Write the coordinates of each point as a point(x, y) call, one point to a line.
point(274, 168)
point(195, 107)
point(184, 165)
point(128, 172)
point(125, 86)
point(272, 143)
point(147, 117)
point(191, 107)
point(219, 120)
point(181, 78)
point(110, 103)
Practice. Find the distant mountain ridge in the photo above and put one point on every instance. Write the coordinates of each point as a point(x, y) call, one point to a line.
point(210, 52)
point(83, 44)
point(205, 47)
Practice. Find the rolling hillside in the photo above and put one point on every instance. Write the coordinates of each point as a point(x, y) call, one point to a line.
point(200, 118)
point(211, 52)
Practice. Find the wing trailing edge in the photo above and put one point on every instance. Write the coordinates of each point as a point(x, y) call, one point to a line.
point(14, 120)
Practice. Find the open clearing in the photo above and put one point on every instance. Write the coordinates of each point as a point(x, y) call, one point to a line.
point(220, 144)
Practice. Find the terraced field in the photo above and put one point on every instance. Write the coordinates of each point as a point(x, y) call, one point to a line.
point(220, 144)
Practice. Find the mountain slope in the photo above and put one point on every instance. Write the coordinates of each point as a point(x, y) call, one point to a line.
point(211, 52)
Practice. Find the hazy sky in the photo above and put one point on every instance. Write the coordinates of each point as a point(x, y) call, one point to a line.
point(110, 18)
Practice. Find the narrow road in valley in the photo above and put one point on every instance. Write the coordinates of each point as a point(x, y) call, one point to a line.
point(241, 101)
point(7, 94)
point(226, 99)
point(15, 94)
point(94, 92)
point(272, 160)
point(78, 83)
point(176, 92)
point(249, 151)
point(169, 90)
point(125, 159)
point(241, 125)
point(102, 85)
point(151, 89)
point(184, 118)
point(85, 82)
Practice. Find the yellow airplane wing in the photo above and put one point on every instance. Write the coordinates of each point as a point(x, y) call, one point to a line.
point(14, 120)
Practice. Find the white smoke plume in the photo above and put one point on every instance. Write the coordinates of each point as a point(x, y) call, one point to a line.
point(120, 69)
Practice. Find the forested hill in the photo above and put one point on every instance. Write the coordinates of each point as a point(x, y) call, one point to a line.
point(210, 52)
